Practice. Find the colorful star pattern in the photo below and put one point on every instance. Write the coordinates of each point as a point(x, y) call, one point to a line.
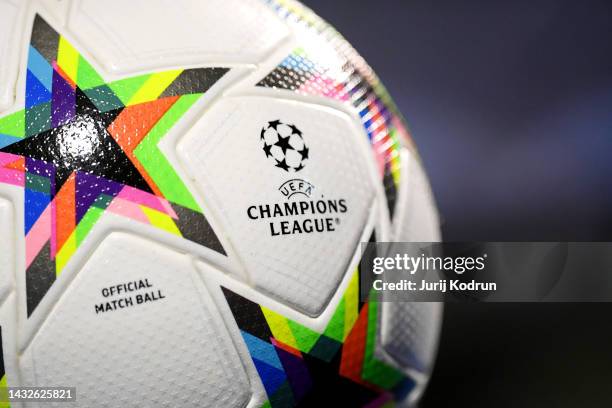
point(300, 367)
point(83, 147)
point(326, 65)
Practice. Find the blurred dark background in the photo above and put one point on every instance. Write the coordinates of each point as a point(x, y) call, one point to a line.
point(510, 104)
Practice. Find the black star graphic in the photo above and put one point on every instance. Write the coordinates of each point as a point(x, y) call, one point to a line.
point(295, 130)
point(282, 164)
point(267, 149)
point(283, 143)
point(304, 152)
point(300, 167)
point(82, 144)
point(273, 124)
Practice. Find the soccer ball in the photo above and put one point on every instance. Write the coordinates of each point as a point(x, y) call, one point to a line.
point(283, 143)
point(152, 255)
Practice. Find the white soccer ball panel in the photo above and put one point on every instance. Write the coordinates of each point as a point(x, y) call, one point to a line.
point(136, 320)
point(296, 142)
point(293, 158)
point(173, 32)
point(7, 248)
point(301, 269)
point(10, 10)
point(417, 219)
point(270, 136)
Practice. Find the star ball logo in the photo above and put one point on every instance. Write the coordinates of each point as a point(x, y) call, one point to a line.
point(283, 143)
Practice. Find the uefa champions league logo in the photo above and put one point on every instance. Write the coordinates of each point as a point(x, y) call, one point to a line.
point(302, 213)
point(283, 143)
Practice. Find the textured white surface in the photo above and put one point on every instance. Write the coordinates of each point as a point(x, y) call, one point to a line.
point(226, 159)
point(215, 280)
point(8, 326)
point(410, 331)
point(171, 352)
point(7, 248)
point(126, 35)
point(9, 35)
point(418, 219)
